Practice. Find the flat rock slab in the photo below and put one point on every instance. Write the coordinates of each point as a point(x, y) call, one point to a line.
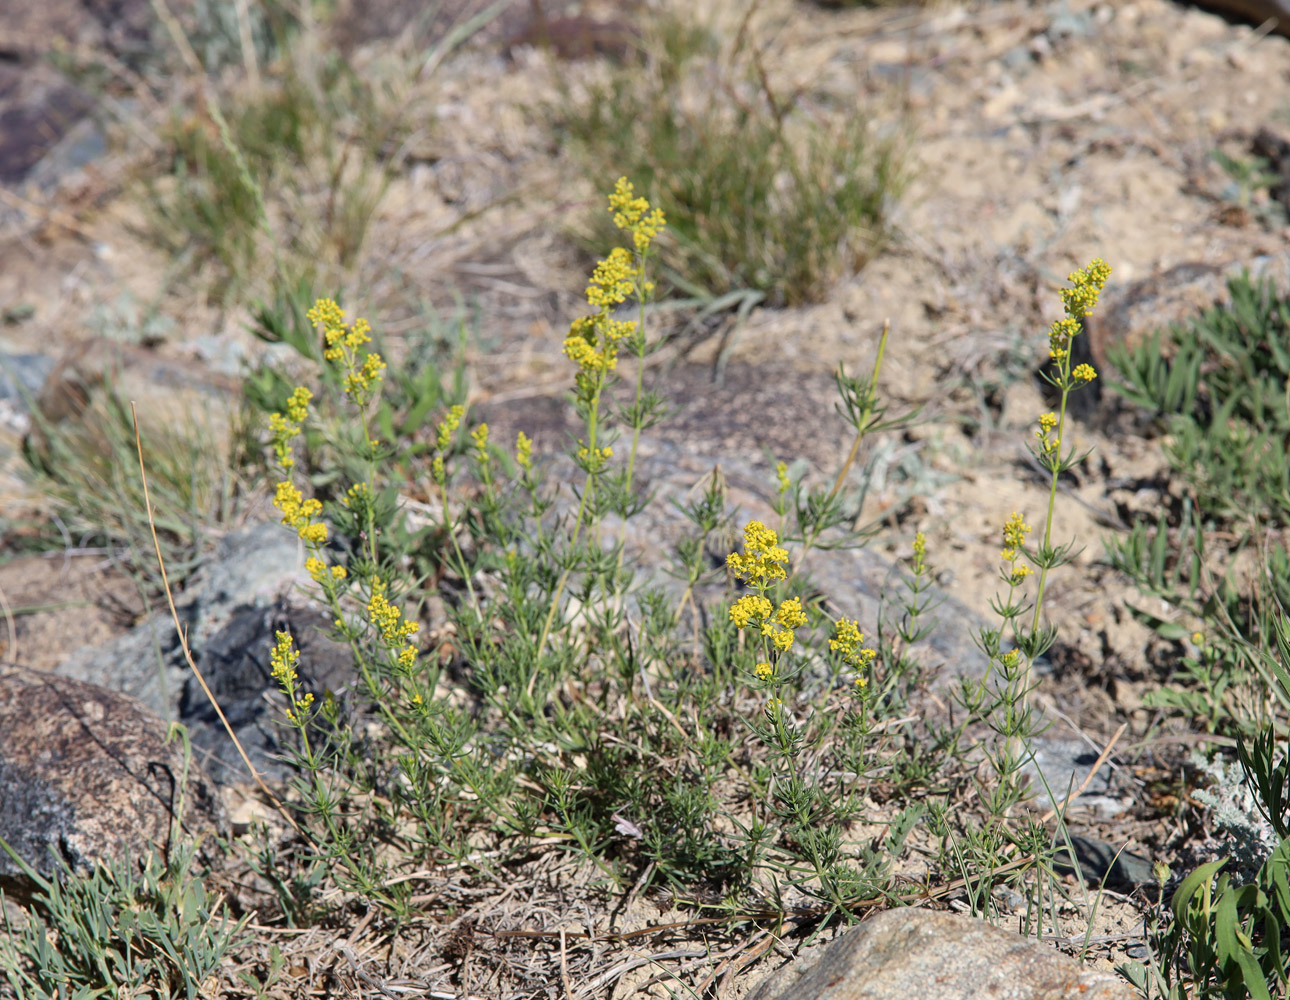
point(929, 955)
point(87, 772)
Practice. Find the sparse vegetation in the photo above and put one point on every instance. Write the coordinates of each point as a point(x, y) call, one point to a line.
point(712, 736)
point(771, 194)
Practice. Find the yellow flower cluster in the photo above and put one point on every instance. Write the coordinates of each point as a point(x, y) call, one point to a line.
point(342, 345)
point(1015, 530)
point(763, 560)
point(1084, 373)
point(782, 480)
point(283, 660)
point(299, 513)
point(357, 496)
point(480, 436)
point(848, 641)
point(448, 426)
point(633, 215)
point(319, 570)
point(1048, 444)
point(286, 428)
point(594, 459)
point(764, 672)
point(594, 341)
point(613, 280)
point(523, 451)
point(756, 611)
point(920, 552)
point(394, 632)
point(1079, 300)
point(1086, 284)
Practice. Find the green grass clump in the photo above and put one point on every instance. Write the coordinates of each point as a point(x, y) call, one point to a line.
point(289, 177)
point(1218, 385)
point(124, 929)
point(86, 466)
point(771, 195)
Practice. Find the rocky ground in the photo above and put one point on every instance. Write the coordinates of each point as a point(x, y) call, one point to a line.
point(1043, 134)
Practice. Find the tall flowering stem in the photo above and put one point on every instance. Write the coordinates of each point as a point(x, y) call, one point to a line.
point(1078, 301)
point(361, 372)
point(594, 344)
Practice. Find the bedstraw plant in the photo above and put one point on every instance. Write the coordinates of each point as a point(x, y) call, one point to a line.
point(731, 758)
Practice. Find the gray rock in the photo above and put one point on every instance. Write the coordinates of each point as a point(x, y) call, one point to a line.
point(235, 664)
point(248, 568)
point(1254, 12)
point(1103, 864)
point(1061, 765)
point(89, 774)
point(21, 376)
point(906, 953)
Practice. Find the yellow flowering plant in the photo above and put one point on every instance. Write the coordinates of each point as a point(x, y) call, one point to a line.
point(559, 701)
point(1001, 699)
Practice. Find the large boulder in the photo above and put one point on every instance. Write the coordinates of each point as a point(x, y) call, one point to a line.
point(906, 953)
point(88, 775)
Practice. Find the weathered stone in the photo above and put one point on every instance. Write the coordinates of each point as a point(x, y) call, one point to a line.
point(235, 664)
point(906, 953)
point(88, 773)
point(250, 567)
point(1254, 12)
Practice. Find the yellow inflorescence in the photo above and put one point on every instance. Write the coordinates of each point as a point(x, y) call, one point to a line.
point(283, 660)
point(285, 428)
point(594, 459)
point(394, 632)
point(300, 514)
point(319, 570)
point(776, 625)
point(594, 341)
point(342, 345)
point(613, 280)
point(523, 451)
point(1079, 300)
point(448, 426)
point(782, 480)
point(480, 436)
point(633, 215)
point(750, 608)
point(763, 561)
point(1048, 444)
point(848, 641)
point(1015, 530)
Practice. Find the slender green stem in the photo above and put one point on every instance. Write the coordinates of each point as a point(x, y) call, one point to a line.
point(588, 486)
point(1052, 501)
point(862, 425)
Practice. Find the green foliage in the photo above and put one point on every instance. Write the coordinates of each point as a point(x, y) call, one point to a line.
point(1226, 940)
point(771, 195)
point(1218, 383)
point(272, 180)
point(88, 468)
point(149, 929)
